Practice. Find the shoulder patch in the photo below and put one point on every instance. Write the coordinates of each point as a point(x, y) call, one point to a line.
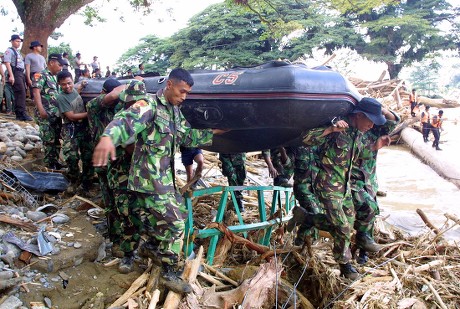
point(7, 52)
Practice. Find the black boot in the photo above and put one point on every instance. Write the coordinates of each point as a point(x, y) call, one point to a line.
point(437, 148)
point(300, 216)
point(348, 271)
point(365, 242)
point(127, 263)
point(172, 280)
point(148, 250)
point(362, 257)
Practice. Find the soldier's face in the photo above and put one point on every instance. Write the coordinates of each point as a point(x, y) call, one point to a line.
point(176, 91)
point(363, 123)
point(16, 43)
point(55, 67)
point(66, 85)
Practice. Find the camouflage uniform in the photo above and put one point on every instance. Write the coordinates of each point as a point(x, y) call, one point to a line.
point(50, 128)
point(338, 153)
point(285, 170)
point(127, 224)
point(99, 116)
point(159, 128)
point(364, 183)
point(76, 136)
point(305, 171)
point(233, 167)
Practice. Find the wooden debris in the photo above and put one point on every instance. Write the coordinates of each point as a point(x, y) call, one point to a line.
point(28, 226)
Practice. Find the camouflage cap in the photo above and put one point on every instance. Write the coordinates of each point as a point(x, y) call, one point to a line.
point(134, 92)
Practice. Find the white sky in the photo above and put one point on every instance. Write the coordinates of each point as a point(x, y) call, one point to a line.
point(109, 40)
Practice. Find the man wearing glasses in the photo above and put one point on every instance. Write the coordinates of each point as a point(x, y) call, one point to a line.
point(47, 115)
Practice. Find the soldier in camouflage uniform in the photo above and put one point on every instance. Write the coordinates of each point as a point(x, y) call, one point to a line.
point(283, 161)
point(47, 115)
point(100, 112)
point(233, 167)
point(128, 225)
point(305, 171)
point(364, 186)
point(158, 128)
point(76, 135)
point(340, 146)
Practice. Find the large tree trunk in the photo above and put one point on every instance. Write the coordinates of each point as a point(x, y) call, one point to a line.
point(42, 17)
point(393, 69)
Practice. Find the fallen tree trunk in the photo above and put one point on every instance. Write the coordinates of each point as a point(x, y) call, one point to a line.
point(427, 154)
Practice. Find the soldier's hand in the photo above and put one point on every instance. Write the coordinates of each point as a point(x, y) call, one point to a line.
point(272, 172)
point(219, 131)
point(382, 141)
point(103, 150)
point(43, 114)
point(11, 80)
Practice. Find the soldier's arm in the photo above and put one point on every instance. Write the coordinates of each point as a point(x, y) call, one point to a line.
point(112, 96)
point(271, 169)
point(120, 130)
point(75, 116)
point(317, 136)
point(38, 103)
point(2, 74)
point(37, 86)
point(10, 73)
point(29, 81)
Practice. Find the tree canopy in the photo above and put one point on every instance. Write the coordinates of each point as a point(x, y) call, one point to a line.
point(395, 32)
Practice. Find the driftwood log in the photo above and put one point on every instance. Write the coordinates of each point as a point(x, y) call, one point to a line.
point(425, 152)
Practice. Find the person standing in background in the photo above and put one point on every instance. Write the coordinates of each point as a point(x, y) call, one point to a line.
point(16, 78)
point(65, 60)
point(35, 63)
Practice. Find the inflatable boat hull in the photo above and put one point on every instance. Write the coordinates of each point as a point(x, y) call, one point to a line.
point(264, 107)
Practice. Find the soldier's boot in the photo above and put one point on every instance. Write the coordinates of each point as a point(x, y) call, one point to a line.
point(147, 250)
point(348, 271)
point(127, 263)
point(362, 257)
point(365, 242)
point(171, 280)
point(300, 216)
point(300, 237)
point(437, 148)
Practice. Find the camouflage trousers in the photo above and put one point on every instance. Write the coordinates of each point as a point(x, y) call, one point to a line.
point(107, 193)
point(76, 146)
point(108, 201)
point(50, 133)
point(338, 220)
point(366, 208)
point(233, 167)
point(162, 219)
point(126, 223)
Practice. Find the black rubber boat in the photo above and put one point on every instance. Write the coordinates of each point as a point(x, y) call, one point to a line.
point(264, 106)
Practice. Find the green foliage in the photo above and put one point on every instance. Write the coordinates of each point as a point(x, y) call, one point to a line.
point(425, 75)
point(151, 51)
point(61, 48)
point(91, 15)
point(404, 32)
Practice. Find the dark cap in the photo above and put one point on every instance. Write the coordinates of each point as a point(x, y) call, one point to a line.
point(110, 84)
point(77, 55)
point(372, 109)
point(57, 57)
point(35, 44)
point(15, 37)
point(134, 92)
